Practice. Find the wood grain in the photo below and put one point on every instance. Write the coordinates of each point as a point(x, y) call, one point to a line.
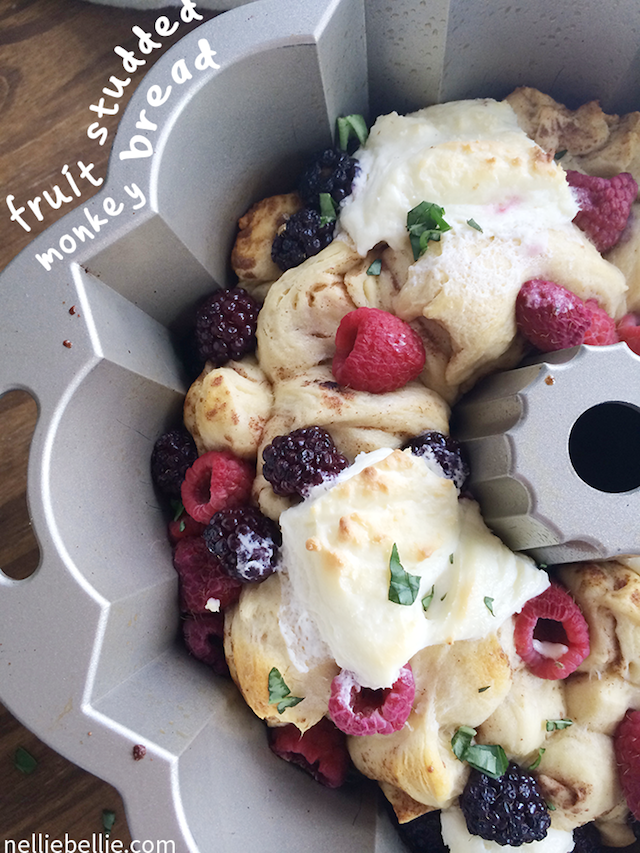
point(55, 58)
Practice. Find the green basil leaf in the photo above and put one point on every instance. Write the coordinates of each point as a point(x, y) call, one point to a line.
point(178, 509)
point(490, 759)
point(327, 209)
point(24, 761)
point(461, 741)
point(474, 224)
point(552, 725)
point(403, 587)
point(451, 558)
point(375, 268)
point(536, 763)
point(425, 222)
point(483, 689)
point(279, 693)
point(488, 603)
point(351, 125)
point(559, 154)
point(428, 598)
point(108, 819)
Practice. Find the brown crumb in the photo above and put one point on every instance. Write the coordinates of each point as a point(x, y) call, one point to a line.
point(67, 344)
point(139, 752)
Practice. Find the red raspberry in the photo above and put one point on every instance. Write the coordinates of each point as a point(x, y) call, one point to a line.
point(359, 710)
point(184, 527)
point(202, 578)
point(602, 330)
point(629, 331)
point(549, 316)
point(321, 750)
point(216, 480)
point(376, 351)
point(554, 618)
point(605, 204)
point(203, 636)
point(626, 744)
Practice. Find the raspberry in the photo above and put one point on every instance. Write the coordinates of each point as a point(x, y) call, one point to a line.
point(551, 635)
point(202, 580)
point(172, 454)
point(321, 750)
point(602, 330)
point(216, 480)
point(510, 810)
point(549, 316)
point(245, 541)
point(303, 236)
point(629, 331)
point(422, 834)
point(443, 453)
point(359, 710)
point(226, 326)
point(304, 458)
point(605, 204)
point(626, 743)
point(184, 527)
point(332, 171)
point(376, 351)
point(203, 636)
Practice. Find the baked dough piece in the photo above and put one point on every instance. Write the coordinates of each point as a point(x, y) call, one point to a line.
point(597, 143)
point(254, 644)
point(357, 421)
point(226, 408)
point(626, 256)
point(609, 596)
point(468, 283)
point(251, 255)
point(418, 759)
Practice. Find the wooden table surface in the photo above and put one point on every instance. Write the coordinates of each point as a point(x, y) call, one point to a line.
point(55, 58)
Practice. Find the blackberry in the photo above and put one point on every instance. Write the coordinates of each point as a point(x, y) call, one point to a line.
point(445, 452)
point(245, 542)
point(172, 454)
point(422, 834)
point(586, 839)
point(331, 171)
point(509, 810)
point(226, 325)
point(302, 237)
point(295, 462)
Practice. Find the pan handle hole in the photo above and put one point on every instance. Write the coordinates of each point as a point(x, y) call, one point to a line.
point(604, 447)
point(19, 552)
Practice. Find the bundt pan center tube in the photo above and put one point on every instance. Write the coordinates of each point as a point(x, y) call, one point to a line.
point(224, 118)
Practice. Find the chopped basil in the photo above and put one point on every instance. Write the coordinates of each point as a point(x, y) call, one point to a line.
point(178, 509)
point(474, 224)
point(375, 268)
point(536, 763)
point(443, 597)
point(428, 598)
point(280, 693)
point(425, 222)
point(108, 819)
point(551, 807)
point(351, 125)
point(490, 759)
point(559, 154)
point(451, 558)
point(482, 689)
point(24, 761)
point(552, 725)
point(403, 587)
point(327, 209)
point(488, 603)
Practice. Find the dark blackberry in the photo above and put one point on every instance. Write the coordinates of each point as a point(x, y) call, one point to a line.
point(422, 834)
point(586, 839)
point(172, 454)
point(302, 237)
point(295, 462)
point(509, 810)
point(226, 326)
point(444, 451)
point(245, 541)
point(331, 171)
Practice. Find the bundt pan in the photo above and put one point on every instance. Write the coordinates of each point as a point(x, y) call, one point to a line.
point(89, 641)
